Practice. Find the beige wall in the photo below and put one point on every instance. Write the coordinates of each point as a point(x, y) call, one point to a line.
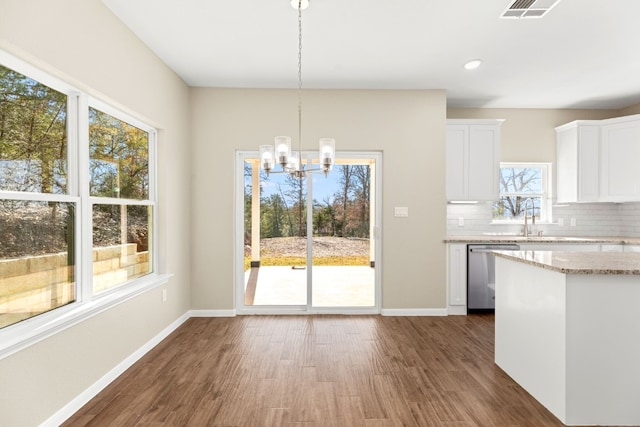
point(632, 109)
point(528, 135)
point(407, 126)
point(84, 44)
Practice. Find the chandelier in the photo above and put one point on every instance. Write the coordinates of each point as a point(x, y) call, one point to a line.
point(280, 152)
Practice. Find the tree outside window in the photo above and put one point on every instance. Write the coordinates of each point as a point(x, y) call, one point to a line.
point(42, 188)
point(519, 182)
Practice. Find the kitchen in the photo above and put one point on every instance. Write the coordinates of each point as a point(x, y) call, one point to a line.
point(541, 340)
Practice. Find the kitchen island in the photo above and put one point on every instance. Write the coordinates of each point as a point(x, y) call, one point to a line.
point(567, 329)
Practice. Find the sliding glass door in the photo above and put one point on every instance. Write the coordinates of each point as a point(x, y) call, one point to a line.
point(308, 244)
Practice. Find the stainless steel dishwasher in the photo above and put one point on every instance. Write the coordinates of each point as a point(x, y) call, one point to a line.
point(481, 275)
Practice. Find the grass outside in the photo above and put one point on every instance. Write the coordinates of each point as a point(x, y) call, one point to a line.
point(266, 261)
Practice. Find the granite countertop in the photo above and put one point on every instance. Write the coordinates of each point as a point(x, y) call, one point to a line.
point(498, 238)
point(578, 262)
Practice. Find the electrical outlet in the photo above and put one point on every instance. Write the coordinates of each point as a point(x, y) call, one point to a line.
point(560, 222)
point(164, 295)
point(461, 222)
point(573, 222)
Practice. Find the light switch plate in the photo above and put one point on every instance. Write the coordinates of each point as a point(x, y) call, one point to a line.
point(401, 212)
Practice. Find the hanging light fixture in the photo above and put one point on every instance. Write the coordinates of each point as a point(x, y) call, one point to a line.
point(280, 152)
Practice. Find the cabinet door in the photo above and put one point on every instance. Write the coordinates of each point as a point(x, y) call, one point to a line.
point(484, 162)
point(588, 163)
point(631, 248)
point(457, 275)
point(457, 143)
point(567, 164)
point(620, 153)
point(578, 163)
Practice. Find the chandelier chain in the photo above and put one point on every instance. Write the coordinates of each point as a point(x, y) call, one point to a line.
point(281, 153)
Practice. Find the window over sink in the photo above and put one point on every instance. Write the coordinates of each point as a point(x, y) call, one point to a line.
point(520, 182)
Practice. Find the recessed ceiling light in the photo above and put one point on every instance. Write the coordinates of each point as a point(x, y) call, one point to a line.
point(473, 64)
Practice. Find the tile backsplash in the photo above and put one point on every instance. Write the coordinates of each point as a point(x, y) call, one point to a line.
point(591, 219)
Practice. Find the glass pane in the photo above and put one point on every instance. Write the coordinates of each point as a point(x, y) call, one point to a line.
point(33, 137)
point(121, 244)
point(275, 237)
point(343, 251)
point(513, 207)
point(36, 258)
point(118, 158)
point(520, 180)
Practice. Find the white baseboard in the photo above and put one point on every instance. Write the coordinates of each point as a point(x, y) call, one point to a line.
point(212, 313)
point(457, 310)
point(414, 312)
point(72, 407)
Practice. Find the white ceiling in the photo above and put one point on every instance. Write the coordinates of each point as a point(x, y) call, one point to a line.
point(582, 54)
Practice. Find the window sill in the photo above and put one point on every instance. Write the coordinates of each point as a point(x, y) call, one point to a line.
point(17, 337)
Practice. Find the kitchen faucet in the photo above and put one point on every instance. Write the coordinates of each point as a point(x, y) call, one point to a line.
point(533, 216)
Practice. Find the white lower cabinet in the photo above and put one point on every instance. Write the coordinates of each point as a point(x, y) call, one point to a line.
point(457, 278)
point(631, 248)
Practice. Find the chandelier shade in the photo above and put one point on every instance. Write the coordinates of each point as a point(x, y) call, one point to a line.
point(327, 153)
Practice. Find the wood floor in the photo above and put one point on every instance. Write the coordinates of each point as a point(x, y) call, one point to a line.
point(319, 371)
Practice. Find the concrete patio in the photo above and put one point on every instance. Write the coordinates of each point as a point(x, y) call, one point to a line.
point(333, 286)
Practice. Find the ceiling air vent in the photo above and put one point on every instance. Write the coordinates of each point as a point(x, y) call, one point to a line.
point(529, 8)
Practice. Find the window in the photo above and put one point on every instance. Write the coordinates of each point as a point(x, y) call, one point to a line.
point(66, 241)
point(37, 215)
point(121, 205)
point(520, 182)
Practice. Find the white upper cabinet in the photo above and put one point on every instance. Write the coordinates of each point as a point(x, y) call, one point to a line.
point(473, 159)
point(578, 147)
point(620, 159)
point(597, 160)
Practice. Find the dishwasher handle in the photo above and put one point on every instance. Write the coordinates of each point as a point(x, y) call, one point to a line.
point(495, 248)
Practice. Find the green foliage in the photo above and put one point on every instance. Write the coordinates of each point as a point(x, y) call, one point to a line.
point(33, 135)
point(33, 158)
point(283, 213)
point(119, 158)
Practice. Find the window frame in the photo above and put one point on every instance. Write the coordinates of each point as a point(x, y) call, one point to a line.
point(20, 335)
point(91, 201)
point(545, 195)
